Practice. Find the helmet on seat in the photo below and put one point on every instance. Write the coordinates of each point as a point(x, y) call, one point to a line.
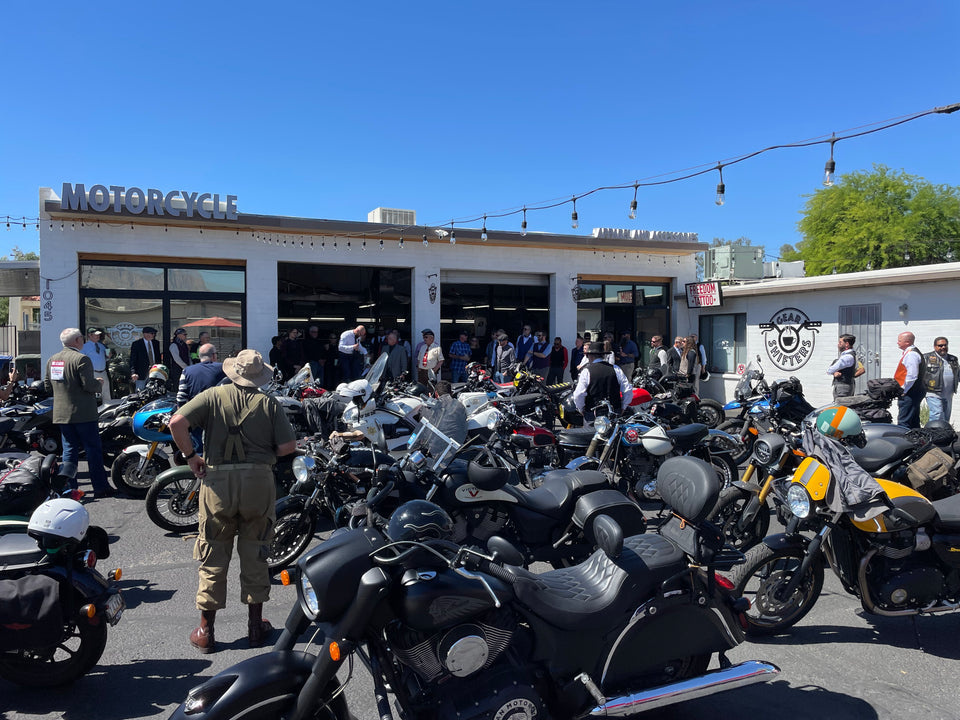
point(58, 522)
point(486, 472)
point(158, 372)
point(419, 520)
point(839, 423)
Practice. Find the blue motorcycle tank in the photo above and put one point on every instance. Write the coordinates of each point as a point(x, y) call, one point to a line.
point(150, 421)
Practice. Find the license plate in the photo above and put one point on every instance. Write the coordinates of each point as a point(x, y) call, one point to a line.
point(115, 608)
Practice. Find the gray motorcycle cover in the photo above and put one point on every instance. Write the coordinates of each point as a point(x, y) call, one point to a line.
point(854, 490)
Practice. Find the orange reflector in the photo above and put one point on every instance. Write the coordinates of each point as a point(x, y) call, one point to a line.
point(334, 651)
point(753, 431)
point(285, 577)
point(117, 574)
point(89, 610)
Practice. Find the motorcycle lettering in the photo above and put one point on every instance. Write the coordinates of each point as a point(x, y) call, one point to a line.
point(469, 493)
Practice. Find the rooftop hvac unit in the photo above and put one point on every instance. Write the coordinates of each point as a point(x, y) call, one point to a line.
point(734, 262)
point(392, 216)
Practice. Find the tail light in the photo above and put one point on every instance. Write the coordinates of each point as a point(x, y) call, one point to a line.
point(724, 582)
point(89, 559)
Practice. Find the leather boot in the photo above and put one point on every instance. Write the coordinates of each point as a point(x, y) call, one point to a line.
point(257, 627)
point(202, 638)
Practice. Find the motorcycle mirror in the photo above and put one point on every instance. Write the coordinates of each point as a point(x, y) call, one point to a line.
point(378, 439)
point(503, 551)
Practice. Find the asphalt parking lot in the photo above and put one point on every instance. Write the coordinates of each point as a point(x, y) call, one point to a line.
point(837, 663)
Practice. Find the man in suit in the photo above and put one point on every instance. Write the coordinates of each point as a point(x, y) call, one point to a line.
point(143, 354)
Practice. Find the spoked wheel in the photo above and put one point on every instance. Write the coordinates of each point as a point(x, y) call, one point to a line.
point(710, 413)
point(763, 580)
point(727, 513)
point(292, 532)
point(128, 477)
point(73, 657)
point(734, 427)
point(173, 501)
point(726, 468)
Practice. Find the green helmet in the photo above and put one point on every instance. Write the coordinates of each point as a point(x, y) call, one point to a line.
point(839, 422)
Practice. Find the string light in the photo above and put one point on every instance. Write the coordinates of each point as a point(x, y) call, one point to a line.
point(523, 225)
point(633, 203)
point(426, 243)
point(574, 220)
point(453, 235)
point(831, 167)
point(381, 241)
point(401, 239)
point(483, 230)
point(721, 188)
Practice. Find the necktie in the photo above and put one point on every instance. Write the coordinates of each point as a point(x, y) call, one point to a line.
point(149, 351)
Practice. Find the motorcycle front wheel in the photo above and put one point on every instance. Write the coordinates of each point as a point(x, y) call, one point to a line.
point(763, 578)
point(130, 479)
point(173, 502)
point(727, 513)
point(292, 532)
point(734, 427)
point(726, 468)
point(72, 658)
point(710, 413)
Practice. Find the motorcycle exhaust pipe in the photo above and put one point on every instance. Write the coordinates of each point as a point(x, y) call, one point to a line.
point(715, 681)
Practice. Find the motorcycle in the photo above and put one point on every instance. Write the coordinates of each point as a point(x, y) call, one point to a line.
point(115, 419)
point(890, 547)
point(452, 631)
point(634, 447)
point(29, 427)
point(136, 468)
point(669, 389)
point(751, 389)
point(55, 607)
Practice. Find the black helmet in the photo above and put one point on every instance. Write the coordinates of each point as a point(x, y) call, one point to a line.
point(419, 520)
point(486, 472)
point(940, 431)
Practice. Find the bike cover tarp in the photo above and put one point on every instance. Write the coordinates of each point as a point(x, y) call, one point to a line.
point(853, 489)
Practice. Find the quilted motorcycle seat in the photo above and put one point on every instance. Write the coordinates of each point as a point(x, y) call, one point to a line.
point(881, 451)
point(561, 488)
point(19, 549)
point(597, 592)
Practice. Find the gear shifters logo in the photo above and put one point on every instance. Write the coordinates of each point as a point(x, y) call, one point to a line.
point(789, 338)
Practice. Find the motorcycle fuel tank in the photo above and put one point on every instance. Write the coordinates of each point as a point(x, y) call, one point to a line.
point(435, 599)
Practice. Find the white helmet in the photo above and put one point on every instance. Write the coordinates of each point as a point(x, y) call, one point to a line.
point(57, 522)
point(656, 442)
point(356, 388)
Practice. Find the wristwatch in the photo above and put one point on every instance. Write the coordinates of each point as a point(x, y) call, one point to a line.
point(187, 457)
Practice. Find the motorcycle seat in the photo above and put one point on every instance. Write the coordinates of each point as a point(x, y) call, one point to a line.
point(523, 403)
point(560, 489)
point(6, 425)
point(597, 592)
point(686, 436)
point(576, 436)
point(19, 549)
point(948, 514)
point(881, 451)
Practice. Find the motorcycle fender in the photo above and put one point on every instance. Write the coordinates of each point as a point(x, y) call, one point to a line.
point(782, 540)
point(290, 502)
point(668, 628)
point(733, 405)
point(142, 450)
point(248, 683)
point(583, 463)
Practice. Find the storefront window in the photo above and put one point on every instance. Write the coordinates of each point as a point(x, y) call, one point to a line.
point(724, 337)
point(128, 277)
point(206, 280)
point(642, 310)
point(482, 308)
point(122, 319)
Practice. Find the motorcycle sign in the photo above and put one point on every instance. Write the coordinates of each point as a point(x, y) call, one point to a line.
point(789, 338)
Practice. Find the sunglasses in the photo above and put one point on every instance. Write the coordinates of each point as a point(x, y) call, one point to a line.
point(942, 345)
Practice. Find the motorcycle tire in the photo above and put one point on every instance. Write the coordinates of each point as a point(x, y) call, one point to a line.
point(733, 427)
point(173, 503)
point(726, 468)
point(726, 515)
point(73, 657)
point(292, 532)
point(710, 413)
point(127, 478)
point(763, 576)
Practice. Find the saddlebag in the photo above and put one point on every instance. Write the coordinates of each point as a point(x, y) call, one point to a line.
point(31, 617)
point(930, 473)
point(615, 505)
point(884, 389)
point(21, 489)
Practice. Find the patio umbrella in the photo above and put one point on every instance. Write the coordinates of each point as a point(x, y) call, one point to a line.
point(213, 322)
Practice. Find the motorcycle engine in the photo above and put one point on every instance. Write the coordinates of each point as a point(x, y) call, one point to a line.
point(639, 467)
point(478, 524)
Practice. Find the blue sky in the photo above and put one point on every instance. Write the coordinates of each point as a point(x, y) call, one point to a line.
point(454, 110)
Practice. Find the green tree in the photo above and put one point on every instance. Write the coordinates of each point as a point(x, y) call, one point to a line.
point(880, 219)
point(16, 255)
point(718, 242)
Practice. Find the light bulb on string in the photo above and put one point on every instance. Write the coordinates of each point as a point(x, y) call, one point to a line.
point(381, 241)
point(907, 255)
point(949, 255)
point(574, 219)
point(453, 235)
point(348, 246)
point(869, 265)
point(523, 224)
point(633, 203)
point(401, 240)
point(483, 230)
point(61, 227)
point(426, 243)
point(721, 188)
point(834, 270)
point(831, 167)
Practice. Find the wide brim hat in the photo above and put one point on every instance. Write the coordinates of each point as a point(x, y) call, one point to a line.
point(248, 369)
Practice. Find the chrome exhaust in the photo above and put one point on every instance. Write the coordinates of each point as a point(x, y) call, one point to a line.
point(735, 676)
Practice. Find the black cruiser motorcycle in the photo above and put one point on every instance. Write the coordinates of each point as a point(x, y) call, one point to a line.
point(455, 632)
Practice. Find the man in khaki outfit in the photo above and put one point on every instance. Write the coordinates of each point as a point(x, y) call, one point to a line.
point(244, 432)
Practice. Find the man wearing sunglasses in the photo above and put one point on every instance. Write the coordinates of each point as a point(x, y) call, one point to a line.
point(942, 376)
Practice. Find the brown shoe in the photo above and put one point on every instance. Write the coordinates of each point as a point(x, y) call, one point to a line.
point(202, 637)
point(257, 632)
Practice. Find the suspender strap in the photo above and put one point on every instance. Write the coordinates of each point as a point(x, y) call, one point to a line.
point(234, 446)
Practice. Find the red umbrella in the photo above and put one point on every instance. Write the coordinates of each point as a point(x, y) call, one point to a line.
point(215, 321)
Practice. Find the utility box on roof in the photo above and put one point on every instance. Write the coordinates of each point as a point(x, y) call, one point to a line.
point(734, 262)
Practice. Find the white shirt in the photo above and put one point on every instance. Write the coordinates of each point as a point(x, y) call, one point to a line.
point(350, 344)
point(580, 392)
point(911, 361)
point(848, 358)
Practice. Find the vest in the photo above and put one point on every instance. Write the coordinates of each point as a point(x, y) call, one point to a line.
point(603, 385)
point(901, 374)
point(846, 374)
point(932, 366)
point(654, 362)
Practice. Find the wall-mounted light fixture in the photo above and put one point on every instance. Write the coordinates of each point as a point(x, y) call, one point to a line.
point(903, 309)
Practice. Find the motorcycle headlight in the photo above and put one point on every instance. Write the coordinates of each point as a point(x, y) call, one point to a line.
point(309, 596)
point(494, 418)
point(602, 425)
point(416, 458)
point(798, 500)
point(302, 465)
